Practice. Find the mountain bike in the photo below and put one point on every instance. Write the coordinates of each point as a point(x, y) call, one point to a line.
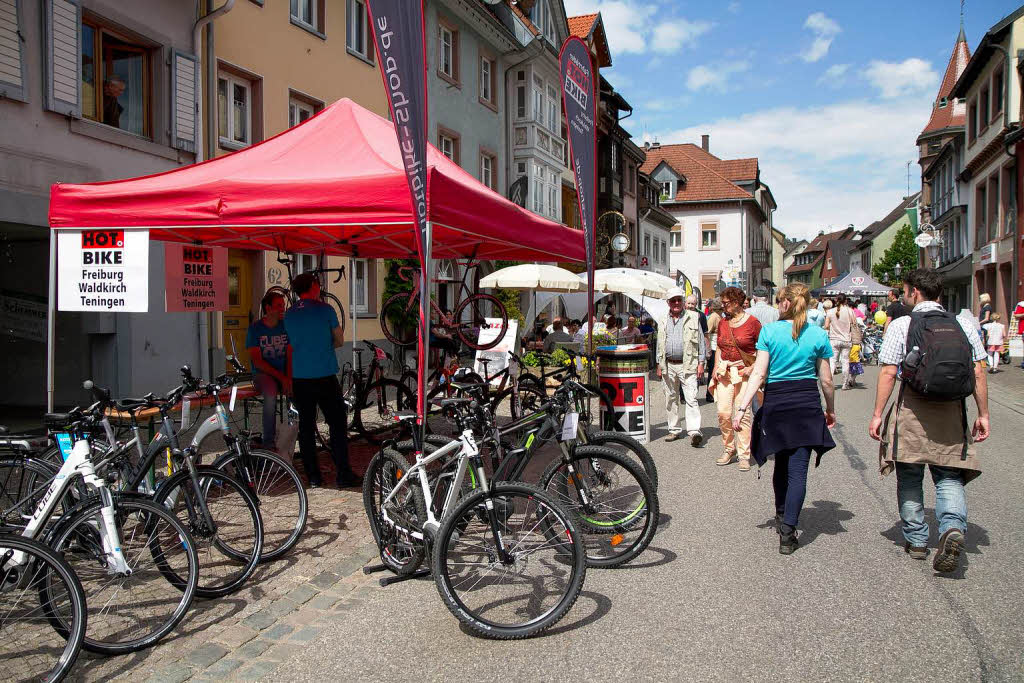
point(371, 398)
point(137, 563)
point(506, 559)
point(42, 611)
point(399, 316)
point(320, 272)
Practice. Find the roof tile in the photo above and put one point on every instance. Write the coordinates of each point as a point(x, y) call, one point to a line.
point(953, 113)
point(707, 176)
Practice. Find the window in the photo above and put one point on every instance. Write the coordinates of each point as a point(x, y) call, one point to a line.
point(615, 157)
point(664, 253)
point(677, 237)
point(301, 108)
point(943, 102)
point(360, 286)
point(647, 244)
point(309, 14)
point(542, 18)
point(448, 143)
point(553, 185)
point(553, 110)
point(997, 92)
point(487, 80)
point(538, 188)
point(666, 190)
point(488, 169)
point(828, 266)
point(116, 79)
point(993, 207)
point(447, 51)
point(359, 38)
point(1009, 200)
point(234, 111)
point(521, 101)
point(980, 207)
point(972, 121)
point(538, 100)
point(983, 111)
point(709, 236)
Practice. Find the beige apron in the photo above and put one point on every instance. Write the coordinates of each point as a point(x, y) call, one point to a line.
point(926, 432)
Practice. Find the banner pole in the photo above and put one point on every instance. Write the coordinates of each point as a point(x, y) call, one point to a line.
point(422, 370)
point(51, 320)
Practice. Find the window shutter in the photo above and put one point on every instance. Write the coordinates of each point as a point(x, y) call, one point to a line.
point(12, 63)
point(184, 107)
point(62, 21)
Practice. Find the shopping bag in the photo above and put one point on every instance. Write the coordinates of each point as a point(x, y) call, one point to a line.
point(287, 434)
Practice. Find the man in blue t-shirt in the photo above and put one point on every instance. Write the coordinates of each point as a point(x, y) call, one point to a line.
point(267, 343)
point(314, 333)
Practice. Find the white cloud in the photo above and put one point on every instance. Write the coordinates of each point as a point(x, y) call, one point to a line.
point(666, 104)
point(911, 76)
point(834, 76)
point(824, 30)
point(836, 164)
point(714, 76)
point(636, 27)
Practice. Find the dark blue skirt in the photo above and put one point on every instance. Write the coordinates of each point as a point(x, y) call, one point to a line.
point(790, 417)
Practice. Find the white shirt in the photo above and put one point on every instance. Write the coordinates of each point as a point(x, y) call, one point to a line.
point(894, 344)
point(996, 332)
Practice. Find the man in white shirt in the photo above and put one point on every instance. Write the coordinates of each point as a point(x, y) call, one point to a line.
point(681, 351)
point(761, 309)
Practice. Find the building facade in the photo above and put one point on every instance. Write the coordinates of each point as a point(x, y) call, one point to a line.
point(948, 192)
point(655, 228)
point(808, 265)
point(873, 241)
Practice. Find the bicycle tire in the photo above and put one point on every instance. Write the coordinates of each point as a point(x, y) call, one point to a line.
point(626, 445)
point(217, 579)
point(403, 556)
point(158, 533)
point(54, 630)
point(273, 478)
point(395, 309)
point(333, 301)
point(604, 528)
point(465, 527)
point(377, 405)
point(529, 401)
point(477, 318)
point(23, 483)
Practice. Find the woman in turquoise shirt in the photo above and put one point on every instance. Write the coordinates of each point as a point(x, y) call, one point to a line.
point(792, 357)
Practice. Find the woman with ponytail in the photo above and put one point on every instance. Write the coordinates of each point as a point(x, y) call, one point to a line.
point(792, 358)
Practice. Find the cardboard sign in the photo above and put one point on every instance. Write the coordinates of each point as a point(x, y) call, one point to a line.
point(105, 270)
point(628, 394)
point(497, 356)
point(195, 278)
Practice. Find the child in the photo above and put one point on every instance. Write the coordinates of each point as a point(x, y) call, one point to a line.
point(995, 331)
point(856, 367)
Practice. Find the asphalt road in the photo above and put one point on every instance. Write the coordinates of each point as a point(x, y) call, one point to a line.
point(712, 599)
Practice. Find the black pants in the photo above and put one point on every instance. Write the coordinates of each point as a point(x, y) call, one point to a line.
point(790, 482)
point(324, 392)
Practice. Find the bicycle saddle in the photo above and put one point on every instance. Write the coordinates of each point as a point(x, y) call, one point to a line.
point(468, 386)
point(453, 401)
point(56, 420)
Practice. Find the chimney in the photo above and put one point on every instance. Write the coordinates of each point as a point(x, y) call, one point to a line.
point(647, 145)
point(705, 142)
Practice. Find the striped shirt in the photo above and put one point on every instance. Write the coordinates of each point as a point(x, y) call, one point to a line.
point(894, 344)
point(674, 338)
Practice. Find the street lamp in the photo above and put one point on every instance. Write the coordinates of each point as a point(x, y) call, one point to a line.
point(897, 269)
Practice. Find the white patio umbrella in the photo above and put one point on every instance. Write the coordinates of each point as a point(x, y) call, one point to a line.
point(648, 277)
point(533, 276)
point(609, 282)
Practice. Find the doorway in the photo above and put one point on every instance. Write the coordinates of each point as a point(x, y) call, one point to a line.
point(240, 313)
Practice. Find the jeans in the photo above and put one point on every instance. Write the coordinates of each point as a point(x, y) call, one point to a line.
point(324, 392)
point(789, 479)
point(269, 388)
point(950, 500)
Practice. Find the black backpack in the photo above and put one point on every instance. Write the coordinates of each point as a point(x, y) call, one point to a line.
point(939, 363)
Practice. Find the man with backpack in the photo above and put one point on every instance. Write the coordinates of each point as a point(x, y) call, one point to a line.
point(938, 358)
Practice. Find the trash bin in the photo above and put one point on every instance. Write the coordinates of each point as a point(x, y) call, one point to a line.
point(622, 374)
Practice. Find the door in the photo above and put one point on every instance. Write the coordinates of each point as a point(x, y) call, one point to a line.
point(240, 309)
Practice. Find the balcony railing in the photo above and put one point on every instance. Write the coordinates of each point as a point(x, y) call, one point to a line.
point(759, 257)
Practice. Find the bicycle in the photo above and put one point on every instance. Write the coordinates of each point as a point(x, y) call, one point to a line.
point(106, 539)
point(365, 391)
point(325, 296)
point(42, 611)
point(506, 559)
point(400, 314)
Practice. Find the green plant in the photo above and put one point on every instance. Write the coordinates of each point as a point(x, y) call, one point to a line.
point(509, 298)
point(604, 339)
point(394, 284)
point(531, 360)
point(560, 357)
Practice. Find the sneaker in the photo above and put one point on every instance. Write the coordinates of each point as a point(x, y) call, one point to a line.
point(744, 465)
point(788, 542)
point(673, 436)
point(947, 556)
point(727, 459)
point(916, 552)
point(696, 440)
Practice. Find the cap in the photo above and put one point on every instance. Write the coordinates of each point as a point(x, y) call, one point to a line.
point(760, 292)
point(674, 292)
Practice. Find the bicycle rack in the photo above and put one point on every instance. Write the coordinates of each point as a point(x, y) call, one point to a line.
point(388, 580)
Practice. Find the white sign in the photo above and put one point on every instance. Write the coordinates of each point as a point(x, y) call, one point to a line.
point(497, 356)
point(105, 270)
point(23, 316)
point(924, 239)
point(988, 254)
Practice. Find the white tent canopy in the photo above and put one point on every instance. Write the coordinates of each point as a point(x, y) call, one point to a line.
point(856, 283)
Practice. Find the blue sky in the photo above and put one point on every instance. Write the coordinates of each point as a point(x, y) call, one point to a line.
point(829, 96)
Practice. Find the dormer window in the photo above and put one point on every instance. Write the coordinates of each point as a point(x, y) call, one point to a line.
point(667, 191)
point(943, 102)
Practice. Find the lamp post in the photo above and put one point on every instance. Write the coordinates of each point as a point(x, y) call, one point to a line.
point(897, 269)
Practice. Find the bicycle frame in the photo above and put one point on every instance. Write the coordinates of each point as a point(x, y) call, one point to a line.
point(79, 465)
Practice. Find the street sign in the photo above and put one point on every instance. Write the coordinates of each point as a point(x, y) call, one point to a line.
point(105, 270)
point(923, 240)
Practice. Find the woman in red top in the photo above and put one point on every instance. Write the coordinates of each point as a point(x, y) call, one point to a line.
point(737, 340)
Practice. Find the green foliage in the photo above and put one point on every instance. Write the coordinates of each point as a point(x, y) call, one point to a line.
point(604, 339)
point(393, 284)
point(532, 359)
point(509, 298)
point(903, 251)
point(560, 357)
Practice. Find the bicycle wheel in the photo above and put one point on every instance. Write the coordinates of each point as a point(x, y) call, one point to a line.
point(377, 406)
point(611, 499)
point(42, 612)
point(127, 613)
point(521, 597)
point(470, 318)
point(398, 536)
point(23, 483)
point(399, 319)
point(280, 494)
point(512, 404)
point(624, 444)
point(335, 303)
point(230, 550)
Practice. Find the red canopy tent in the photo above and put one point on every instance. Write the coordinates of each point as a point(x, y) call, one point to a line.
point(334, 183)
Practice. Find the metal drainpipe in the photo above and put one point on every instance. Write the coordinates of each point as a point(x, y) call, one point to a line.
point(203, 319)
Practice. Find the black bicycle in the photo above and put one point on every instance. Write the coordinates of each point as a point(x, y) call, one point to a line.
point(320, 272)
point(372, 400)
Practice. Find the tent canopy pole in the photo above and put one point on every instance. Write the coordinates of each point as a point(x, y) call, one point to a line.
point(51, 319)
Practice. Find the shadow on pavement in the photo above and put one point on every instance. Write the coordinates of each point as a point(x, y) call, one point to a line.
point(664, 522)
point(602, 606)
point(820, 517)
point(666, 557)
point(975, 538)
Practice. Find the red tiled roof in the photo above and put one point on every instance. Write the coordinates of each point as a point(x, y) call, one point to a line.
point(953, 114)
point(821, 241)
point(707, 176)
point(582, 25)
point(794, 268)
point(525, 19)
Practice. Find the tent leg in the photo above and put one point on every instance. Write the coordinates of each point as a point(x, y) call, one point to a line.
point(352, 303)
point(51, 319)
point(424, 355)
